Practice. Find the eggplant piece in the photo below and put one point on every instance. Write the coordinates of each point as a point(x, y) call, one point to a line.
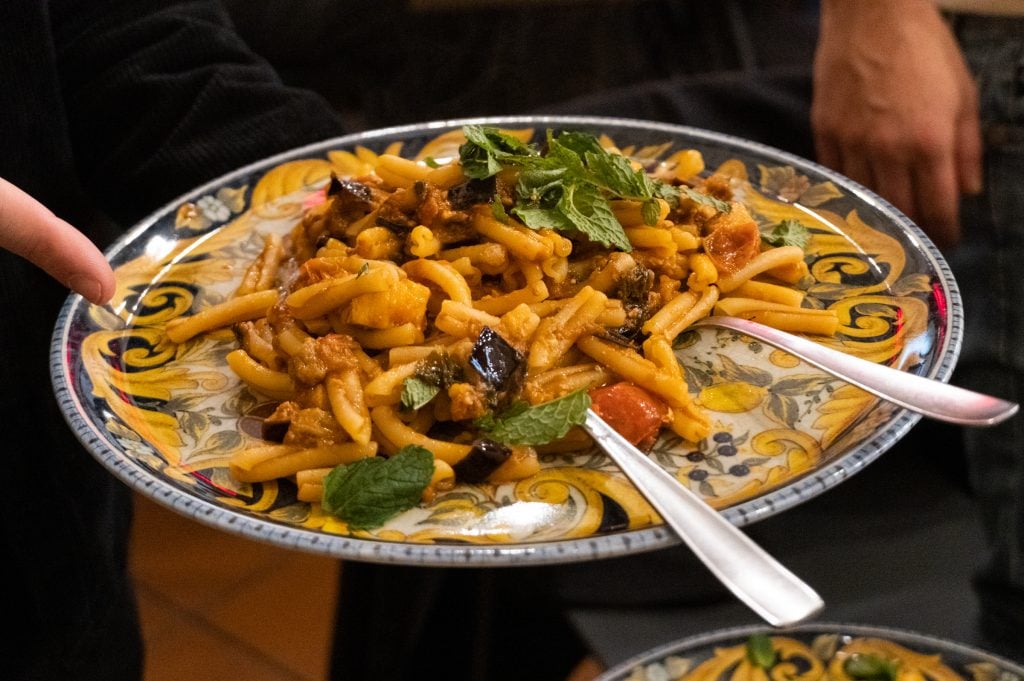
point(398, 210)
point(635, 292)
point(499, 365)
point(352, 198)
point(485, 457)
point(468, 194)
point(393, 217)
point(619, 337)
point(274, 431)
point(275, 426)
point(440, 369)
point(635, 286)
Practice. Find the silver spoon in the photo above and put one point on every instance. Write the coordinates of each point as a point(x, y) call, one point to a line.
point(926, 396)
point(753, 576)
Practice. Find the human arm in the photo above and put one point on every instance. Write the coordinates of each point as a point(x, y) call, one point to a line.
point(31, 230)
point(895, 108)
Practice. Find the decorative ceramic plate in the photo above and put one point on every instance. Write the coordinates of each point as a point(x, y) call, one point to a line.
point(815, 652)
point(165, 418)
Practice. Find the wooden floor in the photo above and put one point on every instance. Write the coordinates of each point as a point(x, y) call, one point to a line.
point(216, 606)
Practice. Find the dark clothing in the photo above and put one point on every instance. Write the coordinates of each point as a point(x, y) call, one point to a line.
point(108, 110)
point(987, 265)
point(393, 62)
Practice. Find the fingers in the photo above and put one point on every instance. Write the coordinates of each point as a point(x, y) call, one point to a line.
point(857, 167)
point(895, 183)
point(827, 150)
point(920, 177)
point(968, 152)
point(937, 197)
point(926, 190)
point(32, 231)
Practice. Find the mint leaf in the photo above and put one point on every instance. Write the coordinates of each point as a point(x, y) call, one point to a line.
point(417, 393)
point(542, 184)
point(486, 149)
point(369, 492)
point(590, 213)
point(616, 174)
point(669, 193)
point(561, 155)
point(705, 199)
point(866, 667)
point(498, 211)
point(488, 422)
point(544, 218)
point(579, 143)
point(787, 233)
point(539, 193)
point(760, 651)
point(651, 212)
point(540, 424)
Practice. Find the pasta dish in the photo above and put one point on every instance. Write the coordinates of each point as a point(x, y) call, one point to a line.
point(465, 312)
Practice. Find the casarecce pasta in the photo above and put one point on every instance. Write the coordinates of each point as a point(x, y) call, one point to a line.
point(418, 304)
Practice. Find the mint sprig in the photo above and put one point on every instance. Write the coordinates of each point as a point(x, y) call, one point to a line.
point(371, 491)
point(540, 424)
point(487, 150)
point(568, 187)
point(789, 232)
point(560, 191)
point(589, 212)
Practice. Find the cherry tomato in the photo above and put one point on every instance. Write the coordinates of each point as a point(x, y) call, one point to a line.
point(635, 413)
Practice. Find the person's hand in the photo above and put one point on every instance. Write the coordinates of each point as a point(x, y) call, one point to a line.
point(895, 108)
point(32, 231)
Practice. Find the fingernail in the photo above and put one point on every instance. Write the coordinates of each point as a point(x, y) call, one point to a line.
point(89, 288)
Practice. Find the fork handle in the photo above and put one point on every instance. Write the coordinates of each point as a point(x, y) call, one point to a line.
point(919, 394)
point(757, 579)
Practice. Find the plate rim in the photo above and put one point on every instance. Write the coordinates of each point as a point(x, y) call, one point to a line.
point(899, 635)
point(613, 544)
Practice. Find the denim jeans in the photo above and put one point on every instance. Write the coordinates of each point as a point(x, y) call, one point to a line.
point(987, 266)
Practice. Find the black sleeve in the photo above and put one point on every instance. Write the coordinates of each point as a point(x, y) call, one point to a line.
point(162, 95)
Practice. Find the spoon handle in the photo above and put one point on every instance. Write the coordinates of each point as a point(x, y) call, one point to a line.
point(757, 579)
point(925, 396)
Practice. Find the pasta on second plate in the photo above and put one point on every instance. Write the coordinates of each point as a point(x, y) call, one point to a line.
point(471, 306)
